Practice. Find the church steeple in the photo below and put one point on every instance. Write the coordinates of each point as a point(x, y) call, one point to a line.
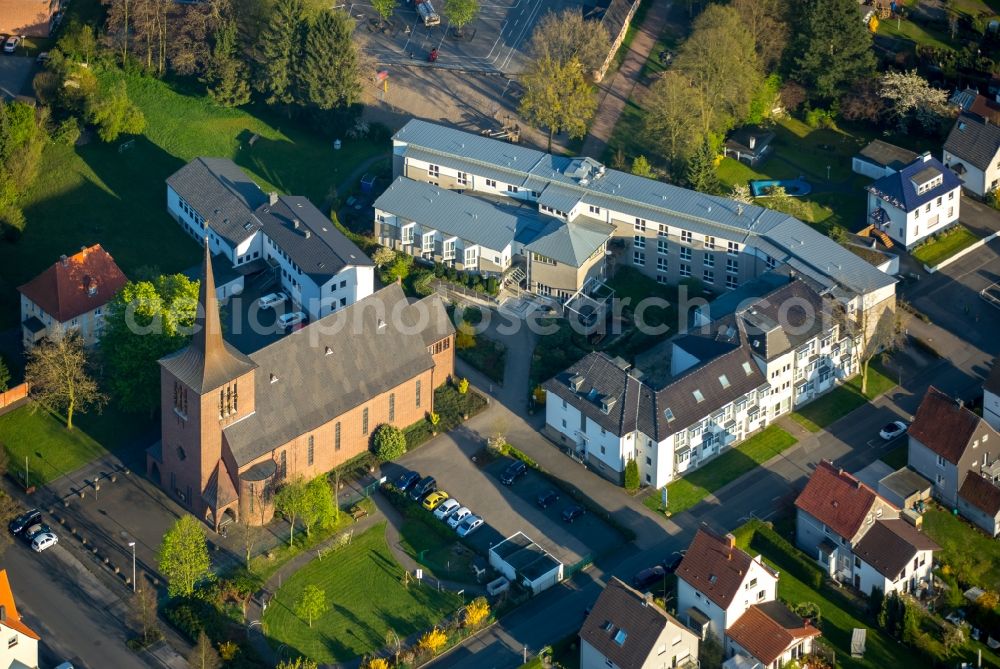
point(209, 361)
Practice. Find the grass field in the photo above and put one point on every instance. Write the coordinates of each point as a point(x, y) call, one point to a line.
point(366, 598)
point(843, 399)
point(945, 246)
point(51, 449)
point(684, 493)
point(971, 554)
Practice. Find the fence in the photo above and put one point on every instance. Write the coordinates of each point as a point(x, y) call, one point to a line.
point(14, 396)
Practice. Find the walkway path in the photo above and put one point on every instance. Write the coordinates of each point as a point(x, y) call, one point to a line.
point(611, 106)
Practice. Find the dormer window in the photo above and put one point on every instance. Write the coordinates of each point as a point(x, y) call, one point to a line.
point(576, 382)
point(607, 404)
point(92, 289)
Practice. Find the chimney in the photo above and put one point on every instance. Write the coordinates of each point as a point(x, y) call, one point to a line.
point(753, 142)
point(926, 156)
point(647, 599)
point(272, 198)
point(64, 260)
point(730, 540)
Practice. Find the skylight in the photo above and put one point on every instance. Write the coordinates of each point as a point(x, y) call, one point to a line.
point(698, 397)
point(724, 381)
point(746, 368)
point(668, 414)
point(620, 637)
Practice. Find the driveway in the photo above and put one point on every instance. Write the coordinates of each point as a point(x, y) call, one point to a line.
point(15, 75)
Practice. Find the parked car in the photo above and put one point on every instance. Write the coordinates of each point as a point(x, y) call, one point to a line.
point(514, 471)
point(469, 525)
point(893, 430)
point(434, 500)
point(572, 512)
point(458, 516)
point(43, 541)
point(10, 46)
point(674, 561)
point(424, 486)
point(547, 498)
point(407, 480)
point(42, 58)
point(648, 577)
point(24, 521)
point(448, 507)
point(271, 300)
point(33, 531)
point(290, 319)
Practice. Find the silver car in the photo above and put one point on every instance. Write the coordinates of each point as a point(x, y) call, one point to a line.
point(43, 541)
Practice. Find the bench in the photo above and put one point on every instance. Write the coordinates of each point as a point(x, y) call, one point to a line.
point(358, 512)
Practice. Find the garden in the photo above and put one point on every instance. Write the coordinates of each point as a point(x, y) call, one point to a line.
point(944, 245)
point(38, 439)
point(844, 399)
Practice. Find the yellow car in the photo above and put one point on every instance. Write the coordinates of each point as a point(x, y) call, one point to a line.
point(433, 500)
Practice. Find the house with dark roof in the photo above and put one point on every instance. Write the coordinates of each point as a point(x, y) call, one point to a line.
point(893, 556)
point(234, 426)
point(19, 649)
point(833, 513)
point(979, 501)
point(991, 396)
point(946, 441)
point(749, 144)
point(972, 151)
point(770, 635)
point(878, 159)
point(717, 582)
point(921, 199)
point(317, 265)
point(627, 630)
point(70, 295)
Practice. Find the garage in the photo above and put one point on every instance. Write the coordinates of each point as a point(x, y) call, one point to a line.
point(523, 561)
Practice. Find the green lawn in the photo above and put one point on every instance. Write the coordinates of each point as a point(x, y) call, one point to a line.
point(913, 32)
point(843, 399)
point(93, 193)
point(487, 356)
point(366, 598)
point(434, 545)
point(971, 554)
point(948, 244)
point(51, 449)
point(684, 493)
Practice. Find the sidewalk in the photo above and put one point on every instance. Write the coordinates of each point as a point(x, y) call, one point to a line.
point(611, 106)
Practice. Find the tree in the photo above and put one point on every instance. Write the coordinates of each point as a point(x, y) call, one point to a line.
point(9, 509)
point(228, 78)
point(317, 507)
point(4, 376)
point(312, 603)
point(463, 386)
point(58, 377)
point(250, 526)
point(669, 122)
point(880, 332)
point(289, 501)
point(145, 321)
point(204, 655)
point(701, 174)
point(183, 557)
point(764, 100)
point(911, 97)
point(631, 475)
point(461, 12)
point(558, 97)
point(78, 42)
point(834, 47)
point(641, 167)
point(394, 644)
point(22, 138)
point(113, 112)
point(433, 641)
point(328, 73)
point(280, 52)
point(389, 442)
point(143, 615)
point(383, 256)
point(384, 8)
point(376, 663)
point(862, 102)
point(465, 336)
point(566, 36)
point(477, 611)
point(767, 23)
point(741, 193)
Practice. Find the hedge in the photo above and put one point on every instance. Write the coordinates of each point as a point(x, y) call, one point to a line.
point(784, 554)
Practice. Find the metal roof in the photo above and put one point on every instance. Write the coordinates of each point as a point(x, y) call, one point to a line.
point(571, 243)
point(222, 194)
point(900, 188)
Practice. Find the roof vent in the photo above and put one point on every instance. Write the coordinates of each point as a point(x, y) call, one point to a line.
point(64, 260)
point(274, 377)
point(328, 351)
point(381, 324)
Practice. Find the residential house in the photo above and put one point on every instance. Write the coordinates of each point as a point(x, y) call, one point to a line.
point(32, 18)
point(234, 426)
point(663, 231)
point(979, 501)
point(717, 583)
point(919, 200)
point(19, 643)
point(972, 151)
point(318, 266)
point(962, 99)
point(833, 513)
point(893, 556)
point(627, 630)
point(700, 393)
point(750, 145)
point(946, 441)
point(991, 396)
point(72, 294)
point(770, 635)
point(879, 159)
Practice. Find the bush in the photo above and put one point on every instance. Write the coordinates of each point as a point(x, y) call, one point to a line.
point(67, 133)
point(518, 454)
point(820, 118)
point(388, 442)
point(631, 475)
point(433, 641)
point(421, 281)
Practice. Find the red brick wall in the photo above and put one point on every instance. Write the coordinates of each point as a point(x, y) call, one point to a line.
point(444, 362)
point(15, 394)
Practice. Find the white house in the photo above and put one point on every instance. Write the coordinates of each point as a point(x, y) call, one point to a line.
point(768, 636)
point(523, 561)
point(717, 582)
point(972, 150)
point(991, 396)
point(894, 556)
point(979, 501)
point(318, 266)
point(627, 630)
point(19, 643)
point(915, 202)
point(70, 295)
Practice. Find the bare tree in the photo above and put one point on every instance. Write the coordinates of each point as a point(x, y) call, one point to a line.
point(394, 644)
point(766, 20)
point(566, 36)
point(251, 522)
point(881, 331)
point(669, 121)
point(143, 614)
point(58, 377)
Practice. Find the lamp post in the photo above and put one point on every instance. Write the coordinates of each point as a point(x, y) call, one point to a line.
point(131, 545)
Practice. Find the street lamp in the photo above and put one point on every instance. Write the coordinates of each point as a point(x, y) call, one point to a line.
point(131, 545)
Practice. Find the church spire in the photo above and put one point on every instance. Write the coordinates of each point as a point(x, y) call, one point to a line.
point(207, 337)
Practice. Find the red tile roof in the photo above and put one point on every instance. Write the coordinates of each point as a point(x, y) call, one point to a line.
point(981, 493)
point(714, 566)
point(76, 285)
point(12, 618)
point(767, 630)
point(837, 499)
point(943, 425)
point(986, 107)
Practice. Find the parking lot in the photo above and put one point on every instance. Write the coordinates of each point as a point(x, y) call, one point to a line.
point(15, 75)
point(249, 327)
point(507, 509)
point(493, 42)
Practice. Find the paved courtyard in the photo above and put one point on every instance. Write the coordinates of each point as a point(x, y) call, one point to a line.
point(15, 75)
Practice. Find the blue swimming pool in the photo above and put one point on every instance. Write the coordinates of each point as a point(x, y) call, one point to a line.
point(793, 187)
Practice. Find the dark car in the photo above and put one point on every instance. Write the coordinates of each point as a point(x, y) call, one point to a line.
point(423, 487)
point(19, 524)
point(514, 471)
point(407, 480)
point(674, 561)
point(548, 498)
point(571, 513)
point(33, 531)
point(648, 577)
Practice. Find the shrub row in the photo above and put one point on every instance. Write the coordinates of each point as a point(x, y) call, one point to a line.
point(786, 556)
